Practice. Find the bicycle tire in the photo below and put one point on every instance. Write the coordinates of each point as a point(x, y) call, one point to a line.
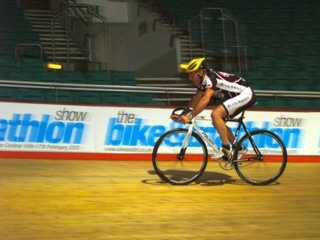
point(264, 169)
point(166, 162)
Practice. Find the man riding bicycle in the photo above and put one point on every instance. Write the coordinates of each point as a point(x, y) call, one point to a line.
point(233, 91)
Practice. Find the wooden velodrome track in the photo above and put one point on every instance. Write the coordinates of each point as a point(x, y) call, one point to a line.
point(70, 199)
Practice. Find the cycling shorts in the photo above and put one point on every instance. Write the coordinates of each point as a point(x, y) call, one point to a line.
point(240, 102)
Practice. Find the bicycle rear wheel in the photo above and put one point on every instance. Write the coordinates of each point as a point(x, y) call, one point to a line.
point(265, 160)
point(178, 165)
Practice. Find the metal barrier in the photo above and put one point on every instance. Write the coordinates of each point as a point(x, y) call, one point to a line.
point(84, 31)
point(218, 32)
point(167, 95)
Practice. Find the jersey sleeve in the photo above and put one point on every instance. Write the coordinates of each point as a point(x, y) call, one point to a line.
point(209, 82)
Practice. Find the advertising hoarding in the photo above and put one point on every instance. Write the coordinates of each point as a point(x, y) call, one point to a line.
point(72, 131)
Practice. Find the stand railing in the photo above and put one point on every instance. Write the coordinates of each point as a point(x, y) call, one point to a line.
point(85, 32)
point(218, 34)
point(169, 96)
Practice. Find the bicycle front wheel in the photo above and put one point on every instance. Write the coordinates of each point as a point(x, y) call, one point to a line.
point(265, 159)
point(179, 158)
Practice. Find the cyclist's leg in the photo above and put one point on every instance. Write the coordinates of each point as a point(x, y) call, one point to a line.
point(231, 137)
point(231, 107)
point(218, 115)
point(237, 105)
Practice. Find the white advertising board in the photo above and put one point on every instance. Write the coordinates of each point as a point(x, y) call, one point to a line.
point(94, 129)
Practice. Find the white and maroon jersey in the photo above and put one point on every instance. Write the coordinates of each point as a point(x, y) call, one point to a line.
point(226, 85)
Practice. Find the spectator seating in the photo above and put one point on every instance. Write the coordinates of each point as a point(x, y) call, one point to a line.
point(283, 40)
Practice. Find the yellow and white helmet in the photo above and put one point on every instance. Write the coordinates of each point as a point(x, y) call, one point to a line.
point(194, 65)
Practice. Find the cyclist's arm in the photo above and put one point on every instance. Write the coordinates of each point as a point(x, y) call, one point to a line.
point(200, 101)
point(203, 102)
point(195, 99)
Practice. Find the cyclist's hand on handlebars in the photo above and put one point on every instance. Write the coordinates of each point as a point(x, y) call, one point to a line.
point(175, 117)
point(184, 119)
point(181, 114)
point(180, 118)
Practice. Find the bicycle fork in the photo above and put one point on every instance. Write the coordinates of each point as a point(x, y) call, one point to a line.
point(185, 143)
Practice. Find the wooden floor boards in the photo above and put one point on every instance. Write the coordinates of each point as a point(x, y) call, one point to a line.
point(90, 200)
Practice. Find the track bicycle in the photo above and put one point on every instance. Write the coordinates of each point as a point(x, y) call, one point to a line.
point(180, 155)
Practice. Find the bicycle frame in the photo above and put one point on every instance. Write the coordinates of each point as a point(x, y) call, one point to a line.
point(194, 127)
point(203, 135)
point(240, 122)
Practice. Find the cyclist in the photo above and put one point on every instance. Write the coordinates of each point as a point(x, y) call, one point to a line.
point(234, 93)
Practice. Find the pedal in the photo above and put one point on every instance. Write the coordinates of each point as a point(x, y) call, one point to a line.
point(226, 165)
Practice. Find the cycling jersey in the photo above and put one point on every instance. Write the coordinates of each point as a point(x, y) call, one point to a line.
point(229, 84)
point(233, 91)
